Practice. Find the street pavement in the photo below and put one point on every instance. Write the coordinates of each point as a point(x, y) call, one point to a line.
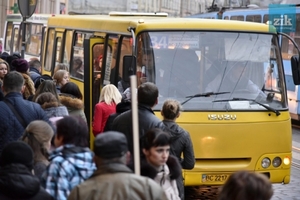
point(289, 191)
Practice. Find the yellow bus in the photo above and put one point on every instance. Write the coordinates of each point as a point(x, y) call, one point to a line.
point(35, 28)
point(235, 123)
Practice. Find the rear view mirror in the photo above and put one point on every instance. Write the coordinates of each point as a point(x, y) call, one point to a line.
point(129, 67)
point(295, 69)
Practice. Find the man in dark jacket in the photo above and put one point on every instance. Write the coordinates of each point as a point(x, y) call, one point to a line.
point(15, 112)
point(35, 69)
point(16, 179)
point(147, 98)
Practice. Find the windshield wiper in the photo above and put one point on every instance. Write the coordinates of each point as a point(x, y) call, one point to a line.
point(206, 94)
point(243, 99)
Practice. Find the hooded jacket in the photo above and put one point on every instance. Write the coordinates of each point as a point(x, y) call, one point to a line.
point(17, 182)
point(69, 166)
point(181, 145)
point(74, 105)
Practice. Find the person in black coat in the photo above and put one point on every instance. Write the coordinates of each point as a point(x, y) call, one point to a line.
point(16, 179)
point(147, 95)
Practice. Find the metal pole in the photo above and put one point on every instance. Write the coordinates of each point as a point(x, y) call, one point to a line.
point(135, 125)
point(23, 37)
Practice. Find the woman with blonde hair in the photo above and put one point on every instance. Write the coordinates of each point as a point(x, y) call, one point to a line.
point(4, 69)
point(109, 98)
point(60, 78)
point(38, 135)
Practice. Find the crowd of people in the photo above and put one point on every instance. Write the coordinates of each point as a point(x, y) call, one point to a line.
point(45, 151)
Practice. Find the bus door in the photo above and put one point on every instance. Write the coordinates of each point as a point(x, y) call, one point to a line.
point(53, 50)
point(94, 56)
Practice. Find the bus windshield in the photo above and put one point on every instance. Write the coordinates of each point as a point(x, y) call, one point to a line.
point(213, 70)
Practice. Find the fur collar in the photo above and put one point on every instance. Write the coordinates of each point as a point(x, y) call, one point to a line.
point(71, 101)
point(151, 172)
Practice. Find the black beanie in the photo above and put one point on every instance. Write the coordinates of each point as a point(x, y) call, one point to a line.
point(17, 152)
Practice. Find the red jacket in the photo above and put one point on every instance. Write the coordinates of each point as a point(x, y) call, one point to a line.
point(101, 114)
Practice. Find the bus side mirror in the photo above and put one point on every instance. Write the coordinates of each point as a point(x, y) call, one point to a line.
point(129, 67)
point(295, 69)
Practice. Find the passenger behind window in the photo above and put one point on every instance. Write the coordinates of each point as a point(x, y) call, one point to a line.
point(60, 66)
point(77, 69)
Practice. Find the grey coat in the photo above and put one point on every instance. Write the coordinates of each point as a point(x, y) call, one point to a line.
point(116, 181)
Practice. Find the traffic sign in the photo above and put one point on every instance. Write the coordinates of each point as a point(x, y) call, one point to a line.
point(27, 7)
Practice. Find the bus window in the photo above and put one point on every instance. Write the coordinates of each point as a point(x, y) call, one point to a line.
point(226, 18)
point(266, 18)
point(253, 18)
point(110, 62)
point(33, 46)
point(76, 70)
point(49, 50)
point(8, 33)
point(68, 47)
point(58, 48)
point(238, 18)
point(288, 49)
point(16, 38)
point(126, 49)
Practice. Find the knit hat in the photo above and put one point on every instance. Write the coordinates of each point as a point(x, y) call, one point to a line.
point(17, 152)
point(110, 144)
point(20, 65)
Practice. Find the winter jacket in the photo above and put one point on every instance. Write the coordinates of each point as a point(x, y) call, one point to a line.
point(120, 108)
point(116, 181)
point(10, 127)
point(34, 74)
point(17, 182)
point(101, 114)
point(59, 111)
point(74, 105)
point(147, 121)
point(69, 166)
point(166, 178)
point(181, 144)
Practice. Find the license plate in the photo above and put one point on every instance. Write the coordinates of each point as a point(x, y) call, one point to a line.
point(214, 178)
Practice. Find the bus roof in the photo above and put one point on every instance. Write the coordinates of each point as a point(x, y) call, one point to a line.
point(117, 24)
point(36, 18)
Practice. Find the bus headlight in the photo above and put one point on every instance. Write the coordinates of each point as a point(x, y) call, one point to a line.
point(265, 163)
point(276, 162)
point(286, 161)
